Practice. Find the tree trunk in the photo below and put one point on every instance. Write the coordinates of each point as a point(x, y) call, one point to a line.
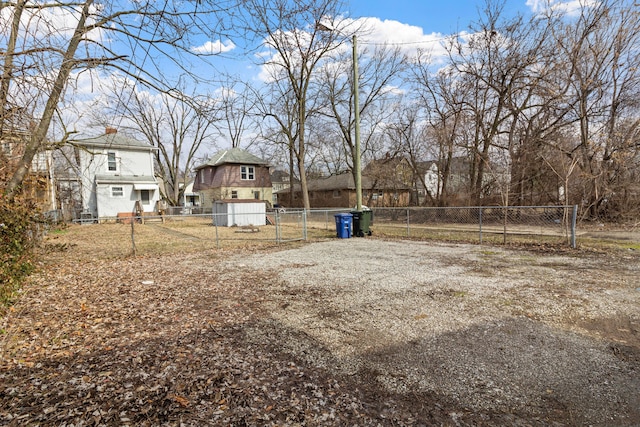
point(38, 137)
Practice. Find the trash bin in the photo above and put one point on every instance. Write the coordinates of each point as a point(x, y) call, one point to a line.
point(343, 225)
point(362, 222)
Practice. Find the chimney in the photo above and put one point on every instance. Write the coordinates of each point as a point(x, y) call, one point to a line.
point(110, 130)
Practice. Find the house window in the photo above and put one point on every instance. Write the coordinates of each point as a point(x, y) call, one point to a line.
point(112, 163)
point(39, 162)
point(201, 176)
point(234, 194)
point(376, 195)
point(247, 172)
point(144, 196)
point(117, 192)
point(256, 195)
point(336, 194)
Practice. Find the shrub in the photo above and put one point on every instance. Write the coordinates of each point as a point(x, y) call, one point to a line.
point(19, 233)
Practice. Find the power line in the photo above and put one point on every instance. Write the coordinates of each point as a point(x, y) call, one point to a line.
point(436, 40)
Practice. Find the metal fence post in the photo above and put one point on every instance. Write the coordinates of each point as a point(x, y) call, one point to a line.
point(408, 228)
point(215, 222)
point(304, 224)
point(480, 222)
point(574, 217)
point(277, 224)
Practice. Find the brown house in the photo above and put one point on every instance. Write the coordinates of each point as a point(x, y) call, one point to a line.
point(394, 171)
point(339, 191)
point(233, 174)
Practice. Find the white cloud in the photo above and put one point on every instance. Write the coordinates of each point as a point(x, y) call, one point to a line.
point(214, 47)
point(567, 8)
point(50, 23)
point(372, 33)
point(409, 38)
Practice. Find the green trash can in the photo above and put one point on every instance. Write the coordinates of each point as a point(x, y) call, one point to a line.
point(362, 222)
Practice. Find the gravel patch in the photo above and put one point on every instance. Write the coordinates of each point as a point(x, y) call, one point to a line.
point(357, 332)
point(488, 329)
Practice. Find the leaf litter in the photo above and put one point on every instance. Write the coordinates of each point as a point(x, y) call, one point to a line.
point(202, 338)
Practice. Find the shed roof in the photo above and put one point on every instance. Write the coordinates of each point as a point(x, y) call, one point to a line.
point(231, 201)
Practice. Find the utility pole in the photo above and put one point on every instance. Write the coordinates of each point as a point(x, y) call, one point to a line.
point(356, 106)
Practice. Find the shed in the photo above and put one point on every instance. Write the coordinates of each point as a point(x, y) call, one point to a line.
point(239, 212)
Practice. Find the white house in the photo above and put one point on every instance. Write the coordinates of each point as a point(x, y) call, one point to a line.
point(432, 180)
point(189, 198)
point(115, 173)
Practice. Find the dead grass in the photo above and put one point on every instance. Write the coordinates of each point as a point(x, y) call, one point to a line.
point(184, 236)
point(197, 331)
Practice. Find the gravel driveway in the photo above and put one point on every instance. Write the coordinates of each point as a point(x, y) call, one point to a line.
point(357, 332)
point(547, 337)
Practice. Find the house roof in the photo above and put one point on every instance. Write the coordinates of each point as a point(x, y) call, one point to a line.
point(343, 181)
point(281, 176)
point(386, 163)
point(459, 165)
point(114, 140)
point(125, 179)
point(235, 156)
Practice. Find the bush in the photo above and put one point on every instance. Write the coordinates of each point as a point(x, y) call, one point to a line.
point(19, 233)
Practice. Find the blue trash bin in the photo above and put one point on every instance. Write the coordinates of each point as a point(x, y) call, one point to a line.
point(343, 225)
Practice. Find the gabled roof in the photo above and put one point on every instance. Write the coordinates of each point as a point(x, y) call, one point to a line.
point(113, 140)
point(344, 181)
point(386, 163)
point(281, 176)
point(234, 156)
point(459, 165)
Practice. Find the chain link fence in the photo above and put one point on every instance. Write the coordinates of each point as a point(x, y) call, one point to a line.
point(224, 229)
point(482, 223)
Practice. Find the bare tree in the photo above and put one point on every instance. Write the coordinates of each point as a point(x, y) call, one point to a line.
point(489, 72)
point(602, 48)
point(294, 47)
point(177, 124)
point(441, 98)
point(40, 56)
point(513, 102)
point(235, 108)
point(277, 105)
point(380, 71)
point(406, 136)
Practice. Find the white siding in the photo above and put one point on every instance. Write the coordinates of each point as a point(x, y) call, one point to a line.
point(239, 214)
point(109, 206)
point(96, 198)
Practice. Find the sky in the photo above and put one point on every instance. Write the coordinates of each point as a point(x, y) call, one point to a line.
point(415, 24)
point(450, 16)
point(440, 16)
point(411, 24)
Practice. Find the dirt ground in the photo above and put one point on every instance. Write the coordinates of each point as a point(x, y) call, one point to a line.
point(336, 332)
